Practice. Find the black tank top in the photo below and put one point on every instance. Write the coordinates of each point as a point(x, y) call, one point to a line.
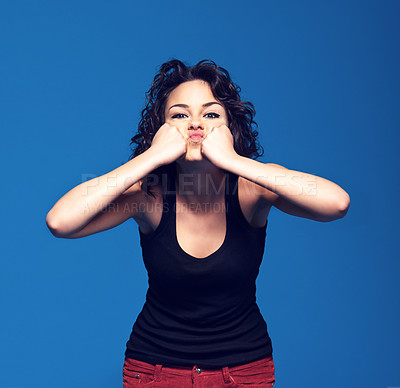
point(201, 311)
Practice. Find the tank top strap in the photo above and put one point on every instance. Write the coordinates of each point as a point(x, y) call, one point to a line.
point(231, 191)
point(235, 211)
point(167, 209)
point(232, 183)
point(169, 190)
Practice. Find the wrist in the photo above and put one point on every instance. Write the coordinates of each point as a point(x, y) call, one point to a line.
point(231, 164)
point(155, 157)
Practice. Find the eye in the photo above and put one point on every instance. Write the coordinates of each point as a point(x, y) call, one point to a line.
point(213, 115)
point(178, 116)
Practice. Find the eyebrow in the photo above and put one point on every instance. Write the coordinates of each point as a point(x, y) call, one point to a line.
point(204, 105)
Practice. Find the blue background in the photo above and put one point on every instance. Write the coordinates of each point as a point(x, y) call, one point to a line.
point(324, 78)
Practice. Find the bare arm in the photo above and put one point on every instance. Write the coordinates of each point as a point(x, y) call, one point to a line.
point(294, 192)
point(104, 202)
point(89, 200)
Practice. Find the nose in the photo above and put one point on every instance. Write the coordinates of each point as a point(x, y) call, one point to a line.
point(195, 125)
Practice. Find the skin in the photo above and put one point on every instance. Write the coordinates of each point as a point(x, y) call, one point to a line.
point(200, 232)
point(195, 116)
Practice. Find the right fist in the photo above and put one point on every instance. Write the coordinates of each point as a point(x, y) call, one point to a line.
point(169, 143)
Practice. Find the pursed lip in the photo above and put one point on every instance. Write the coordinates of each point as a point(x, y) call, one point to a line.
point(196, 134)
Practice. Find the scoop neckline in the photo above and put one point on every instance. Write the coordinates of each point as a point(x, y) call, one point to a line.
point(227, 229)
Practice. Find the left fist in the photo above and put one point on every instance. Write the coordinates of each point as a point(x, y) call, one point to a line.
point(217, 146)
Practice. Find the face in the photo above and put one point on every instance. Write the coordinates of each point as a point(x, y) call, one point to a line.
point(192, 108)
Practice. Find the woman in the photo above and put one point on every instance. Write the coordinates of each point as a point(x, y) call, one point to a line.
point(201, 203)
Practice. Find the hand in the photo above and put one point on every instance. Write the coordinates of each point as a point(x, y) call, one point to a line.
point(217, 146)
point(169, 144)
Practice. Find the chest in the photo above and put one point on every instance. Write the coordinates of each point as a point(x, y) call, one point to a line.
point(201, 228)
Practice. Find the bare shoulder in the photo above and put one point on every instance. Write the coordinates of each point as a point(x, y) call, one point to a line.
point(255, 200)
point(255, 193)
point(265, 199)
point(149, 208)
point(253, 203)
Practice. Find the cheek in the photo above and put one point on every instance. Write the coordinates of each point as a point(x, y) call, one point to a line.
point(179, 125)
point(224, 121)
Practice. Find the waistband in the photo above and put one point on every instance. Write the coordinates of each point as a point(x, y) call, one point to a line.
point(190, 370)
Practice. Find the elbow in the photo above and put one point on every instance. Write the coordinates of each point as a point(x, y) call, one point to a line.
point(55, 226)
point(338, 210)
point(342, 207)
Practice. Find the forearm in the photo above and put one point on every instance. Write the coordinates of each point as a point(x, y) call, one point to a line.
point(77, 207)
point(315, 194)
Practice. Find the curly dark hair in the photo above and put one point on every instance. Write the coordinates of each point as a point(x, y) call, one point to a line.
point(172, 74)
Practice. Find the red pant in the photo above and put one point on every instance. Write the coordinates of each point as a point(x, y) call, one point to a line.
point(260, 373)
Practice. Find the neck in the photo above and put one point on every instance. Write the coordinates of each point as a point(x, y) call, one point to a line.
point(199, 182)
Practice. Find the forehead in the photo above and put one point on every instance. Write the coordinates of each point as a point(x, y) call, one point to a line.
point(196, 91)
